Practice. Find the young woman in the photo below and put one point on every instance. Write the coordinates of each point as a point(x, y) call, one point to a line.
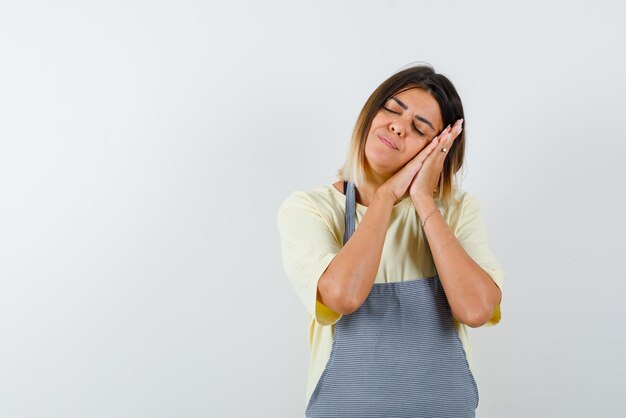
point(392, 262)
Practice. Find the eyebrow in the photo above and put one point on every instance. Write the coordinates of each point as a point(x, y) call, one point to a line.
point(418, 117)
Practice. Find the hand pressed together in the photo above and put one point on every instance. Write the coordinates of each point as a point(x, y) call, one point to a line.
point(425, 182)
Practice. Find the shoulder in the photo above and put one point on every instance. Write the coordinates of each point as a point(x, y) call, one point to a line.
point(324, 202)
point(315, 198)
point(463, 204)
point(467, 200)
point(315, 216)
point(459, 199)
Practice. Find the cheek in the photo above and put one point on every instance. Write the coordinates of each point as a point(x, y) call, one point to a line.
point(379, 120)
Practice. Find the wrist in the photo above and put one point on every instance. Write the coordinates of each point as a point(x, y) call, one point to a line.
point(424, 205)
point(386, 195)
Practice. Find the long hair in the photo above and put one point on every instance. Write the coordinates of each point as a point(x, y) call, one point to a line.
point(356, 168)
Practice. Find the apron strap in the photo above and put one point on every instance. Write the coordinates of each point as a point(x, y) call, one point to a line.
point(350, 216)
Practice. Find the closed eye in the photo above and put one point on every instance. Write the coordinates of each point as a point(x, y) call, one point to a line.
point(420, 133)
point(390, 111)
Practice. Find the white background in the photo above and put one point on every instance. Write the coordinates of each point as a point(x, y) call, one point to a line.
point(145, 147)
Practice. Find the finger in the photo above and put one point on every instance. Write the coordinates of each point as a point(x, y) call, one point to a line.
point(436, 141)
point(416, 163)
point(445, 131)
point(454, 131)
point(433, 145)
point(422, 156)
point(447, 142)
point(458, 127)
point(443, 148)
point(429, 149)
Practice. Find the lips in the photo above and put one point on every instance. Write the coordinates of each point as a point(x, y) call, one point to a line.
point(387, 142)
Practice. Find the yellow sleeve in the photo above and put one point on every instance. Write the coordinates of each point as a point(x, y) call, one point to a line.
point(472, 234)
point(308, 245)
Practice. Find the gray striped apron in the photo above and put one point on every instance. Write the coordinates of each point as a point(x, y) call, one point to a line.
point(398, 355)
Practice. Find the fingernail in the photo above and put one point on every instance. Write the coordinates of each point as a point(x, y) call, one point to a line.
point(461, 121)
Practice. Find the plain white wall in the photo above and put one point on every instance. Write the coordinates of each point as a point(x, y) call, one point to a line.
point(145, 147)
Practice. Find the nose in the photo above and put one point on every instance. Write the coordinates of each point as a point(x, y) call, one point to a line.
point(396, 127)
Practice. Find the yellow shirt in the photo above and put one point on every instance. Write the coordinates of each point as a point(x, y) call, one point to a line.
point(311, 226)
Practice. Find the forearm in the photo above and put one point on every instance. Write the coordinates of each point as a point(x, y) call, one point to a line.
point(471, 292)
point(347, 281)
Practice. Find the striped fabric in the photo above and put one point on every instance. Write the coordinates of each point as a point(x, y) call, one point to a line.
point(398, 355)
point(348, 189)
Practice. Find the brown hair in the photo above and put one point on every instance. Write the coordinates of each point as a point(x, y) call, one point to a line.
point(356, 169)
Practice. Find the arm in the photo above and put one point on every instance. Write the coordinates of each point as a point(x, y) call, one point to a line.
point(471, 292)
point(347, 281)
point(349, 278)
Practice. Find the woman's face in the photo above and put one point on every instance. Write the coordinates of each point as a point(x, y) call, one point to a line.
point(407, 122)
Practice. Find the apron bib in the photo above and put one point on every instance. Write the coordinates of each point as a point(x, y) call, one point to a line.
point(398, 355)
